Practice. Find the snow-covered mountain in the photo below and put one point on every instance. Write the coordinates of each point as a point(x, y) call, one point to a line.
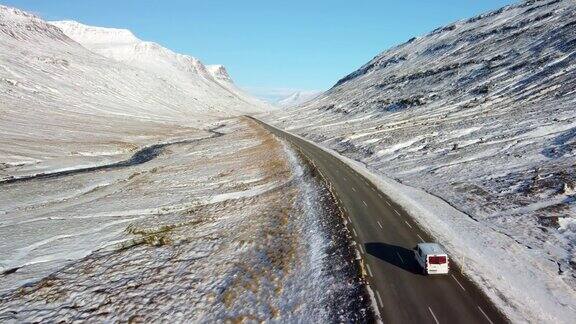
point(219, 73)
point(480, 113)
point(121, 45)
point(298, 98)
point(63, 103)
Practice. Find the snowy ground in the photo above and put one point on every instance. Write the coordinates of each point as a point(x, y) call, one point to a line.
point(480, 115)
point(62, 105)
point(231, 227)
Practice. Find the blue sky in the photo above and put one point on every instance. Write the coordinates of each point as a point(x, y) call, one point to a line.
point(270, 48)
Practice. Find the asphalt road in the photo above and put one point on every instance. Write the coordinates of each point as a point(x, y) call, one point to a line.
point(384, 236)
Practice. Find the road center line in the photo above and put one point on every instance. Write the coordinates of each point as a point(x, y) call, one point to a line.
point(379, 224)
point(364, 203)
point(408, 224)
point(353, 189)
point(379, 298)
point(398, 254)
point(431, 312)
point(420, 237)
point(488, 318)
point(459, 284)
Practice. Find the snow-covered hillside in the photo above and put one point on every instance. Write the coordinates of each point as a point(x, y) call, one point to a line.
point(208, 83)
point(64, 106)
point(298, 98)
point(480, 113)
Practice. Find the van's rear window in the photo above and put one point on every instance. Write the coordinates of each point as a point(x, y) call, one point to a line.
point(437, 259)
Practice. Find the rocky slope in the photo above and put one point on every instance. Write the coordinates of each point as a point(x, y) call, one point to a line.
point(479, 113)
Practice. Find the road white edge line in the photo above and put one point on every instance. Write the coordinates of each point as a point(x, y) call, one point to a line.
point(420, 237)
point(397, 213)
point(361, 248)
point(431, 312)
point(408, 224)
point(379, 298)
point(488, 318)
point(364, 203)
point(353, 189)
point(369, 270)
point(379, 224)
point(458, 282)
point(398, 254)
point(388, 203)
point(354, 231)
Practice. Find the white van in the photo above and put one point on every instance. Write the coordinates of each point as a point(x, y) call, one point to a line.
point(432, 258)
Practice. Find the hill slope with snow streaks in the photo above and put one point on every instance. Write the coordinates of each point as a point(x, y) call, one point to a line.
point(481, 114)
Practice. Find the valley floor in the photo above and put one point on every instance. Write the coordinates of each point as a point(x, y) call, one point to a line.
point(231, 227)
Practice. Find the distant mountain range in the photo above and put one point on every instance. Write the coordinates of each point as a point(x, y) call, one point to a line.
point(297, 98)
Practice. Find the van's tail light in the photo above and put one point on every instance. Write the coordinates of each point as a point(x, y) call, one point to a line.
point(437, 259)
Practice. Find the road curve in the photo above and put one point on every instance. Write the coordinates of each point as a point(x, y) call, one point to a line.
point(385, 235)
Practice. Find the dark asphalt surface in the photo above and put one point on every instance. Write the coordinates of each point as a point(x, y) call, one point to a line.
point(384, 236)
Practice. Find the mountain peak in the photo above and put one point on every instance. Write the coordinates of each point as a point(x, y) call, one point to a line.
point(219, 72)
